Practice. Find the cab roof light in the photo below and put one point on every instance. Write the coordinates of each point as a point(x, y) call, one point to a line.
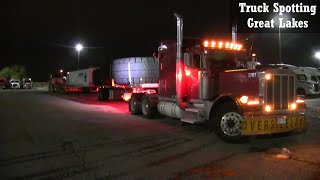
point(227, 45)
point(221, 44)
point(213, 44)
point(206, 43)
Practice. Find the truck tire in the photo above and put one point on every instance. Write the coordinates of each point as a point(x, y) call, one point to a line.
point(147, 110)
point(142, 70)
point(135, 105)
point(226, 123)
point(99, 95)
point(102, 94)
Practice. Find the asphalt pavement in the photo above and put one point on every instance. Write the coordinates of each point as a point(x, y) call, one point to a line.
point(54, 136)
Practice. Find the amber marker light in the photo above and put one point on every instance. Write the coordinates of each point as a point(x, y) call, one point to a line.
point(293, 106)
point(268, 108)
point(206, 43)
point(268, 76)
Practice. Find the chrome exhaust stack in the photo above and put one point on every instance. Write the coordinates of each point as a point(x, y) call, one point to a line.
point(179, 35)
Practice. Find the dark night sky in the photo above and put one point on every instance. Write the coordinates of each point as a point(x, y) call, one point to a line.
point(41, 34)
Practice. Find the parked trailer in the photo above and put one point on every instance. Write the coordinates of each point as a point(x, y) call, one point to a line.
point(82, 80)
point(201, 82)
point(131, 75)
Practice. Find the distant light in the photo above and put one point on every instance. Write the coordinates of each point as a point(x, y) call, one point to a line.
point(61, 70)
point(317, 55)
point(79, 47)
point(67, 72)
point(253, 55)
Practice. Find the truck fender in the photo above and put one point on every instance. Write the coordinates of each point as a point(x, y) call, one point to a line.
point(210, 106)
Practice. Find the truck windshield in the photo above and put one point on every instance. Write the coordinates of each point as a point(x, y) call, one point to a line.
point(314, 78)
point(219, 60)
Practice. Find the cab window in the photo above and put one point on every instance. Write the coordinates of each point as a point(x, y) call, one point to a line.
point(314, 78)
point(301, 77)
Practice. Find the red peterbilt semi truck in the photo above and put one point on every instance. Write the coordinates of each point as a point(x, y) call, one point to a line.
point(210, 83)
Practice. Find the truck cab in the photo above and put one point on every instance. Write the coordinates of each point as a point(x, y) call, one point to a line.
point(26, 83)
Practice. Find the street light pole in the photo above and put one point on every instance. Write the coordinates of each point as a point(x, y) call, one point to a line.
point(78, 59)
point(280, 60)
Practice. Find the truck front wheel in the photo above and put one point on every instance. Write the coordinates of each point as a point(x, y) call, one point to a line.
point(226, 122)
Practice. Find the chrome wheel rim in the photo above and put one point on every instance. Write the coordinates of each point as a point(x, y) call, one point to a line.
point(231, 124)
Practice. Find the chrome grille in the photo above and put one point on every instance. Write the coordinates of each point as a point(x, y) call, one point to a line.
point(280, 91)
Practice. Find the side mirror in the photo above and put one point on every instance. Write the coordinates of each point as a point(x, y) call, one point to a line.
point(187, 59)
point(154, 55)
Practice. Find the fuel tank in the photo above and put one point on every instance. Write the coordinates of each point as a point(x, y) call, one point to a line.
point(170, 109)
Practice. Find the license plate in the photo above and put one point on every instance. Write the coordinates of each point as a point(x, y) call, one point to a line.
point(269, 125)
point(282, 120)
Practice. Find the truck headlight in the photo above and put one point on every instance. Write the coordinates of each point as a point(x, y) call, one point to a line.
point(249, 100)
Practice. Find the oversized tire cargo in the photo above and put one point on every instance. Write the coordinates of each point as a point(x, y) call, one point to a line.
point(135, 70)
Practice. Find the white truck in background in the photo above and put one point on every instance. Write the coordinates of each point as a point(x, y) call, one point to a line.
point(307, 81)
point(81, 80)
point(308, 75)
point(26, 83)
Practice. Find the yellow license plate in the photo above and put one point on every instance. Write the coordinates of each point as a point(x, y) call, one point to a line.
point(269, 125)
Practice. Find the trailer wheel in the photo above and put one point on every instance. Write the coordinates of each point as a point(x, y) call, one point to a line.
point(226, 122)
point(135, 105)
point(99, 95)
point(147, 110)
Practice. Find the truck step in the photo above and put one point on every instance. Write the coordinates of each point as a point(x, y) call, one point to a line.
point(193, 109)
point(193, 115)
point(192, 121)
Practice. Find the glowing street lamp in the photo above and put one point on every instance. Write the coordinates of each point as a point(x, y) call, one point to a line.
point(317, 55)
point(79, 47)
point(61, 71)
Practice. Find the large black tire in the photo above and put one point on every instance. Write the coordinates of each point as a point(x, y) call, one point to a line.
point(102, 94)
point(226, 121)
point(142, 70)
point(135, 105)
point(147, 110)
point(99, 95)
